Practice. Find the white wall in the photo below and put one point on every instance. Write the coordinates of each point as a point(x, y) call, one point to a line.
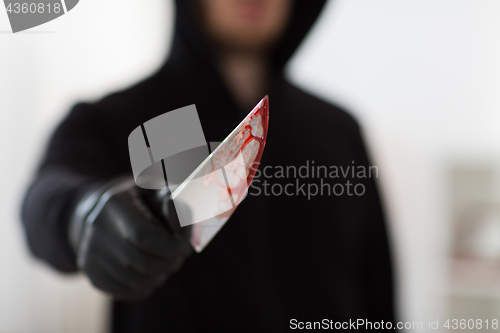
point(422, 77)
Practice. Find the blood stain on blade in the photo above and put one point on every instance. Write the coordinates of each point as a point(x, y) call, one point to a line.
point(231, 169)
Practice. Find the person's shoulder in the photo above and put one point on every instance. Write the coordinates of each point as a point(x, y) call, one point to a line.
point(319, 111)
point(325, 124)
point(145, 94)
point(134, 104)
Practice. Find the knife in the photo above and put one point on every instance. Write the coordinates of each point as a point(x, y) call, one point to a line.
point(212, 192)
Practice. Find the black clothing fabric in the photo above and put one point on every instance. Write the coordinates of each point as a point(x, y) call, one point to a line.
point(279, 257)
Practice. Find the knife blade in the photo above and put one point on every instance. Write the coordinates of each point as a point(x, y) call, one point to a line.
point(212, 192)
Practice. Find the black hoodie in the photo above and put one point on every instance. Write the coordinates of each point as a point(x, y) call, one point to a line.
point(282, 258)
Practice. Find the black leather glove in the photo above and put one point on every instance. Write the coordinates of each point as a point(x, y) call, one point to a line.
point(125, 246)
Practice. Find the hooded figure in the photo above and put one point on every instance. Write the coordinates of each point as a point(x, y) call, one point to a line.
point(282, 258)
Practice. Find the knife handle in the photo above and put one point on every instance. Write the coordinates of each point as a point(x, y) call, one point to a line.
point(160, 203)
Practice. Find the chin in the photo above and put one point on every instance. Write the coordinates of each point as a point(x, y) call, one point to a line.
point(249, 43)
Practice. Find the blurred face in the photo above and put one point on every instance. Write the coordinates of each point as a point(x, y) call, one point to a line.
point(245, 25)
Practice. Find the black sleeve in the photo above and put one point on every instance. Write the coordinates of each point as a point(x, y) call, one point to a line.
point(377, 249)
point(76, 159)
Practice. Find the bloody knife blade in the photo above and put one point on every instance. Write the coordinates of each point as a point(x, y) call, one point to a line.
point(209, 196)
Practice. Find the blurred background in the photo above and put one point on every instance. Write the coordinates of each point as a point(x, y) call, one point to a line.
point(423, 78)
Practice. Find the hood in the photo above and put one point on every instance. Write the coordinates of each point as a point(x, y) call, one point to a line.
point(188, 34)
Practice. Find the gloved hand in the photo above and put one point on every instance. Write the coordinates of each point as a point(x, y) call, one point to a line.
point(123, 247)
